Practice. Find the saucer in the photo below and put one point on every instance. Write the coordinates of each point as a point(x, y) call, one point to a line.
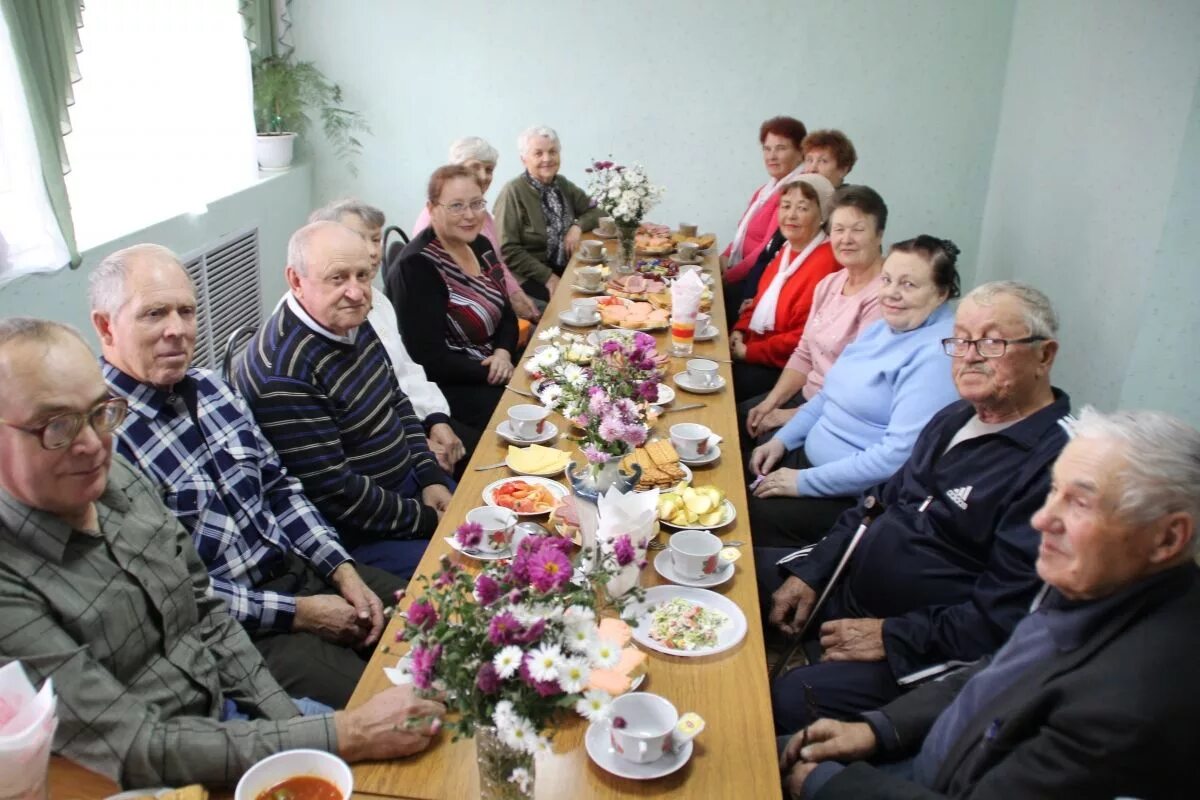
point(509, 435)
point(714, 452)
point(591, 262)
point(678, 259)
point(683, 382)
point(482, 556)
point(582, 290)
point(665, 395)
point(567, 318)
point(709, 333)
point(599, 749)
point(666, 567)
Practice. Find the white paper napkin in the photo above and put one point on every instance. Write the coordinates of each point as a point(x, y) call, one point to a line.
point(685, 296)
point(27, 724)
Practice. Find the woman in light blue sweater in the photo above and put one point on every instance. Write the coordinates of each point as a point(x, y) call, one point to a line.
point(879, 394)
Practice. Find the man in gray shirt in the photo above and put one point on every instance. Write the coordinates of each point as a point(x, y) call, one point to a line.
point(102, 590)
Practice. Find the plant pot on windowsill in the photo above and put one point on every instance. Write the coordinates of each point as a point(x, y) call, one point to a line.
point(275, 150)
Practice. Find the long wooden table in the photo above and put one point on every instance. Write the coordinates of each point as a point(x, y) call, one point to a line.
point(735, 755)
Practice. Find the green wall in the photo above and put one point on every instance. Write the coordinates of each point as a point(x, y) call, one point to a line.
point(277, 205)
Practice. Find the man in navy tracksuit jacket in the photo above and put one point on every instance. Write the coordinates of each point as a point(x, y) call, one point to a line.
point(947, 567)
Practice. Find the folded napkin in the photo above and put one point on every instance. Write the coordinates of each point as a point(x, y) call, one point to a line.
point(27, 724)
point(636, 515)
point(685, 296)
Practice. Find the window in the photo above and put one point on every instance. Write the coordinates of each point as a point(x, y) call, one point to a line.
point(29, 237)
point(162, 121)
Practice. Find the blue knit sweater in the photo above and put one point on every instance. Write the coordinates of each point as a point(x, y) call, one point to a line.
point(879, 394)
point(336, 415)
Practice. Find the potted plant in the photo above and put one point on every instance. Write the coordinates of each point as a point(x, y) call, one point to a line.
point(286, 92)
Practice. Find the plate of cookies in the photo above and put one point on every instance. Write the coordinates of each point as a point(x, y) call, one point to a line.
point(661, 468)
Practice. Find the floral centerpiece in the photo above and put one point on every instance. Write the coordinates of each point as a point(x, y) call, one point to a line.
point(513, 647)
point(626, 195)
point(609, 397)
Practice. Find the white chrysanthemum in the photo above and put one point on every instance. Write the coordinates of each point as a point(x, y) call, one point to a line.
point(580, 638)
point(551, 395)
point(594, 705)
point(504, 714)
point(573, 675)
point(544, 662)
point(521, 777)
point(575, 375)
point(547, 357)
point(578, 614)
point(550, 333)
point(541, 746)
point(519, 734)
point(508, 661)
point(605, 654)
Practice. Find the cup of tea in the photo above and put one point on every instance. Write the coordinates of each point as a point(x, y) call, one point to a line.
point(688, 251)
point(652, 727)
point(498, 525)
point(591, 249)
point(690, 439)
point(694, 553)
point(703, 321)
point(584, 308)
point(607, 226)
point(527, 421)
point(702, 371)
point(688, 229)
point(589, 277)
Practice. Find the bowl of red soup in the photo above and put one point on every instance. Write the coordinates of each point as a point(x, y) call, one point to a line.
point(297, 775)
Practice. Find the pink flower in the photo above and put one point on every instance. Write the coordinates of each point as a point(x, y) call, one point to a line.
point(487, 679)
point(423, 660)
point(610, 346)
point(531, 634)
point(469, 534)
point(643, 341)
point(623, 550)
point(446, 577)
point(487, 591)
point(543, 688)
point(619, 722)
point(503, 629)
point(595, 455)
point(647, 390)
point(549, 569)
point(422, 615)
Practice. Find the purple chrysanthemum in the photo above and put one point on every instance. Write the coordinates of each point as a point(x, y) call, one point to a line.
point(487, 590)
point(469, 534)
point(487, 679)
point(503, 628)
point(549, 569)
point(623, 550)
point(422, 615)
point(423, 660)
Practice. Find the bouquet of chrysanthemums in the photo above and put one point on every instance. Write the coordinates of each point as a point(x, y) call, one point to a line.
point(514, 645)
point(623, 193)
point(609, 397)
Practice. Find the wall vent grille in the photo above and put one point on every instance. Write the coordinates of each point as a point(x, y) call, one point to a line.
point(229, 293)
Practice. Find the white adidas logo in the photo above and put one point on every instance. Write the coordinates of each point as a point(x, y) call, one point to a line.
point(959, 496)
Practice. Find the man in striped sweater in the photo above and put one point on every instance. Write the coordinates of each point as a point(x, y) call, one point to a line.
point(320, 385)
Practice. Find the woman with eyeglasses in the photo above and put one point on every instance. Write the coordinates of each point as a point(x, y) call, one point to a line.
point(448, 290)
point(882, 390)
point(541, 215)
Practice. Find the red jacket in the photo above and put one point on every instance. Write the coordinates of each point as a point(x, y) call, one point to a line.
point(773, 349)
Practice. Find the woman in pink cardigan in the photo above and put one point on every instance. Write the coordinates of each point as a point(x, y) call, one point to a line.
point(781, 139)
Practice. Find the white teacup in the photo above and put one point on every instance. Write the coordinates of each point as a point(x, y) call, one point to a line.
point(650, 727)
point(497, 524)
point(702, 371)
point(690, 439)
point(688, 251)
point(588, 277)
point(688, 229)
point(527, 421)
point(694, 553)
point(584, 308)
point(703, 321)
point(607, 225)
point(591, 249)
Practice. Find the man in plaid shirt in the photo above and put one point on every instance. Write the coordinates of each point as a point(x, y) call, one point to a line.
point(271, 555)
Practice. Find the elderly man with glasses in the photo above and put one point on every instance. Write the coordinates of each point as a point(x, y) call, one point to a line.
point(103, 591)
point(943, 573)
point(312, 612)
point(1091, 695)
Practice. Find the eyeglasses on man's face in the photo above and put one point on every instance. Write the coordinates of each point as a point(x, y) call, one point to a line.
point(987, 348)
point(60, 430)
point(458, 209)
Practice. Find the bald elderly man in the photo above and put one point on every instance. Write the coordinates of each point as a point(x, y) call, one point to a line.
point(1092, 695)
point(103, 591)
point(321, 387)
point(313, 613)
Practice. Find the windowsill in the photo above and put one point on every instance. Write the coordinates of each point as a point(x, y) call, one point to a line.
point(102, 237)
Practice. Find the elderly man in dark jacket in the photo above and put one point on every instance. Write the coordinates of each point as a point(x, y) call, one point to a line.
point(942, 576)
point(1091, 697)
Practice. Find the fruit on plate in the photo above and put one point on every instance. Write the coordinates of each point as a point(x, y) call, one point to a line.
point(523, 497)
point(692, 505)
